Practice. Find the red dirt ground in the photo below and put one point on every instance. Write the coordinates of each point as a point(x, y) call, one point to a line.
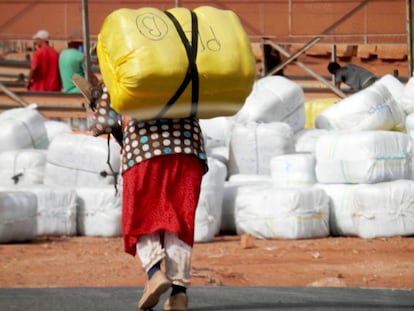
point(228, 261)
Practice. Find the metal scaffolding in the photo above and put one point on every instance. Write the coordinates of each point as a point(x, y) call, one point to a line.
point(293, 57)
point(290, 58)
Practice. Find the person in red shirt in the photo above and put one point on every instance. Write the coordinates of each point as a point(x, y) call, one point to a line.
point(44, 68)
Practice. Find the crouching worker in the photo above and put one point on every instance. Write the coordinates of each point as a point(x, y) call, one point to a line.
point(356, 77)
point(163, 162)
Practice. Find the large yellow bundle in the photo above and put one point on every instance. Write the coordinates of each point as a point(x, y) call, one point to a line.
point(144, 62)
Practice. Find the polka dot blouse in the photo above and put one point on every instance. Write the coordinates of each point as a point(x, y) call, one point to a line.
point(143, 140)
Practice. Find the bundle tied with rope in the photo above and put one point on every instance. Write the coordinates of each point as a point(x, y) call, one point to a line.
point(176, 63)
point(172, 64)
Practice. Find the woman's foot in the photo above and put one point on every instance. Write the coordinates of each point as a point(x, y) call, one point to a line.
point(154, 288)
point(178, 302)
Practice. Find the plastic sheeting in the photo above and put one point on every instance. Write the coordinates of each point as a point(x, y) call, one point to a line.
point(81, 160)
point(22, 128)
point(305, 140)
point(395, 86)
point(274, 99)
point(55, 128)
point(17, 216)
point(99, 212)
point(341, 208)
point(22, 167)
point(228, 221)
point(56, 210)
point(409, 125)
point(252, 146)
point(293, 170)
point(216, 132)
point(373, 108)
point(286, 213)
point(209, 208)
point(407, 97)
point(363, 157)
point(143, 62)
point(384, 209)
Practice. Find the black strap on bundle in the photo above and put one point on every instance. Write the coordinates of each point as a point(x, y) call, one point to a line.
point(16, 178)
point(192, 71)
point(108, 161)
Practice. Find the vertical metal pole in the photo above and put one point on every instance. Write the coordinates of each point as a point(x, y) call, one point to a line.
point(86, 44)
point(264, 67)
point(333, 59)
point(409, 39)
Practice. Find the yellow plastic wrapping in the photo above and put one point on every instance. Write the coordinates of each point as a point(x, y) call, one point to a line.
point(143, 62)
point(315, 107)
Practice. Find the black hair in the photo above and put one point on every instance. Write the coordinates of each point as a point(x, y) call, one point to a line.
point(333, 66)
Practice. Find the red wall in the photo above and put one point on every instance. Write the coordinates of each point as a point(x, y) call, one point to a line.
point(378, 21)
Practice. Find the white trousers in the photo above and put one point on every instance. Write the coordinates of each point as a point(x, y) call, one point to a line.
point(176, 253)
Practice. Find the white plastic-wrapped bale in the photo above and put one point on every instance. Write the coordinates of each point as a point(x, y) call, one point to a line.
point(407, 97)
point(252, 145)
point(285, 213)
point(384, 209)
point(81, 160)
point(293, 170)
point(99, 211)
point(17, 216)
point(395, 86)
point(228, 222)
point(219, 153)
point(363, 157)
point(56, 210)
point(409, 126)
point(209, 208)
point(55, 128)
point(216, 134)
point(22, 128)
point(305, 140)
point(22, 167)
point(341, 208)
point(216, 131)
point(373, 108)
point(274, 99)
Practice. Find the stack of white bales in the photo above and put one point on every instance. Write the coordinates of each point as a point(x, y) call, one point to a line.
point(407, 103)
point(270, 177)
point(21, 129)
point(365, 163)
point(72, 183)
point(82, 163)
point(263, 129)
point(23, 141)
point(45, 160)
point(359, 156)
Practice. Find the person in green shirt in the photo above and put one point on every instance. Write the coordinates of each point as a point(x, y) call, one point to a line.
point(71, 62)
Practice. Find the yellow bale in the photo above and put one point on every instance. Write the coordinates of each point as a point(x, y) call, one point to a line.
point(314, 107)
point(143, 62)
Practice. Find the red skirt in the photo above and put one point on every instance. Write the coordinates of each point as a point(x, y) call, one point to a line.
point(161, 194)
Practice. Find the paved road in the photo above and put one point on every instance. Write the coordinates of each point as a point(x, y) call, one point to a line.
point(210, 299)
